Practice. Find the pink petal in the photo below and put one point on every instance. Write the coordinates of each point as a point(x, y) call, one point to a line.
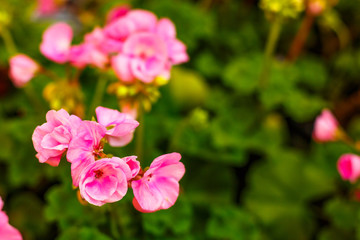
point(56, 42)
point(121, 65)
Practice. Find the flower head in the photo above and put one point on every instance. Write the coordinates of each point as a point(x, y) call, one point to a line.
point(56, 42)
point(120, 126)
point(133, 164)
point(85, 148)
point(52, 138)
point(144, 57)
point(159, 187)
point(349, 167)
point(7, 231)
point(104, 181)
point(22, 69)
point(325, 127)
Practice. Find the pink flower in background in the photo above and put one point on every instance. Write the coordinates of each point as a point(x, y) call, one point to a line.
point(7, 232)
point(325, 127)
point(46, 7)
point(176, 49)
point(349, 167)
point(85, 148)
point(56, 42)
point(120, 126)
point(144, 57)
point(105, 181)
point(22, 69)
point(87, 54)
point(117, 12)
point(144, 21)
point(133, 164)
point(159, 187)
point(52, 138)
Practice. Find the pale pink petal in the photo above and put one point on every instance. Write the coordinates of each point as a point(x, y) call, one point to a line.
point(133, 164)
point(147, 195)
point(121, 66)
point(166, 28)
point(56, 42)
point(144, 20)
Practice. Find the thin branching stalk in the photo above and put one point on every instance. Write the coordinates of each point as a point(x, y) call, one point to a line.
point(269, 50)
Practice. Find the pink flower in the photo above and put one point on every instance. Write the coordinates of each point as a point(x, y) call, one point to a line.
point(120, 126)
point(144, 57)
point(52, 138)
point(93, 51)
point(104, 181)
point(116, 13)
point(325, 127)
point(143, 20)
point(7, 232)
point(87, 54)
point(85, 148)
point(159, 187)
point(46, 7)
point(56, 42)
point(133, 164)
point(176, 49)
point(22, 69)
point(349, 167)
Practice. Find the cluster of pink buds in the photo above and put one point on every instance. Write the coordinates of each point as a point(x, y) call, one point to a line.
point(327, 129)
point(7, 231)
point(103, 178)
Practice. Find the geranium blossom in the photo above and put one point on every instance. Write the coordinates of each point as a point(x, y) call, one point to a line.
point(22, 69)
point(52, 138)
point(85, 148)
point(159, 186)
point(56, 42)
point(120, 126)
point(7, 232)
point(104, 181)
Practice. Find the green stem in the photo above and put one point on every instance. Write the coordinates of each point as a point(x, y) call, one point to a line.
point(177, 134)
point(115, 226)
point(98, 96)
point(269, 50)
point(8, 41)
point(139, 133)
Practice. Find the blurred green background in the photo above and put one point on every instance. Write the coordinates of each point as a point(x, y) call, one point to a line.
point(252, 168)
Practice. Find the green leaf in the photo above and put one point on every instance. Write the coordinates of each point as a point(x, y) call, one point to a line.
point(343, 213)
point(177, 219)
point(229, 222)
point(84, 233)
point(242, 74)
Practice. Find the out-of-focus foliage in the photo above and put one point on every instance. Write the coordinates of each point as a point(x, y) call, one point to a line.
point(252, 169)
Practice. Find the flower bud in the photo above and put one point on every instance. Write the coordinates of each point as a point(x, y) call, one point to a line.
point(22, 69)
point(349, 167)
point(326, 127)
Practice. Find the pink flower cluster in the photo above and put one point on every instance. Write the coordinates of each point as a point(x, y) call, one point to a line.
point(101, 178)
point(134, 43)
point(7, 231)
